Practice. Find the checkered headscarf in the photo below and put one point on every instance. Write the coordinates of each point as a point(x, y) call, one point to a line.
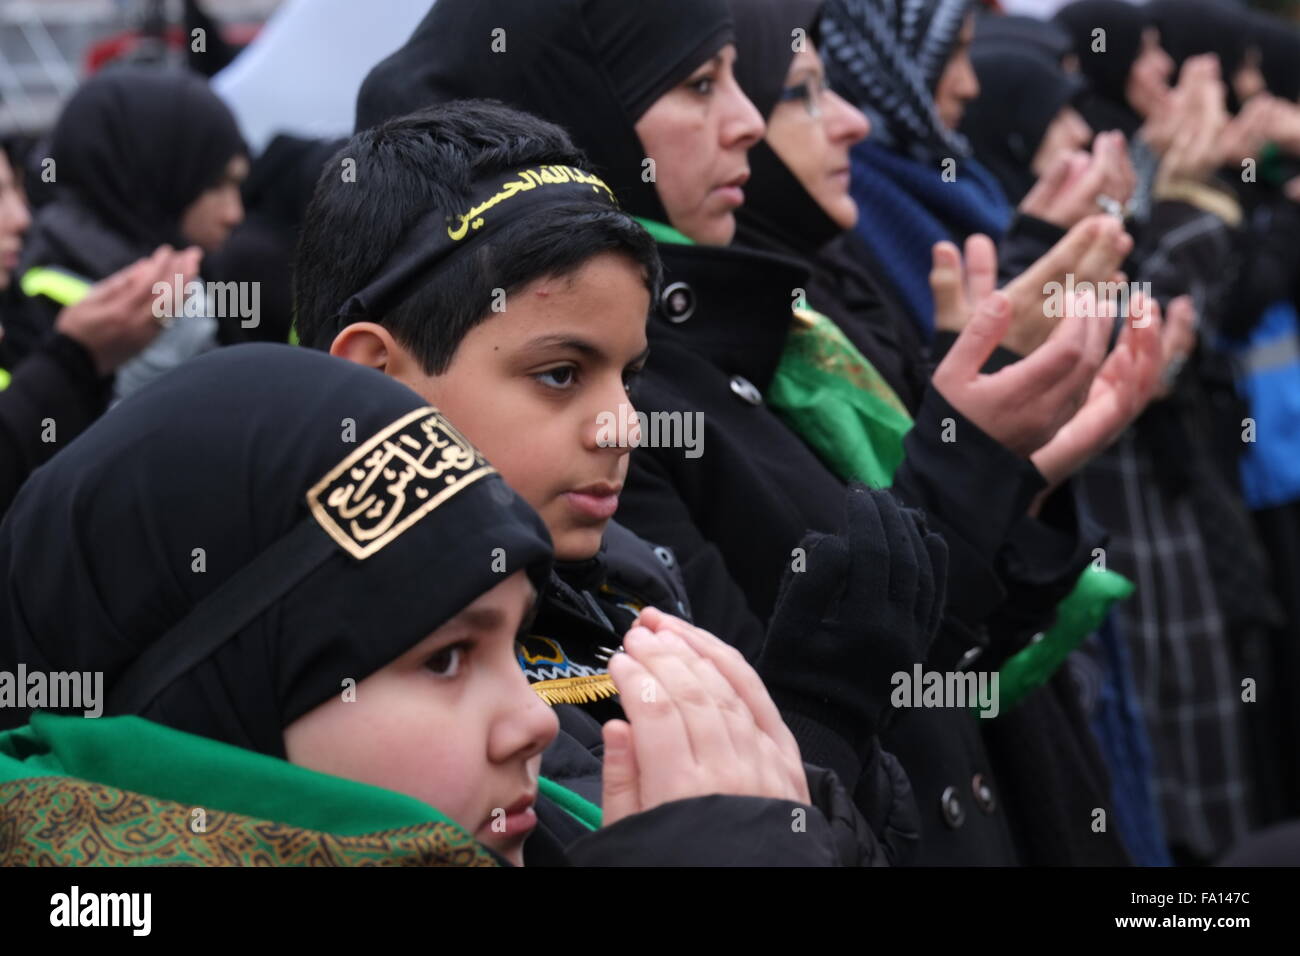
point(887, 56)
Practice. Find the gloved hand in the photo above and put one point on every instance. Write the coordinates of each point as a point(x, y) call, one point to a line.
point(866, 605)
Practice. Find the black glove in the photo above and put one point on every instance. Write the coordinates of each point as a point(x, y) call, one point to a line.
point(866, 605)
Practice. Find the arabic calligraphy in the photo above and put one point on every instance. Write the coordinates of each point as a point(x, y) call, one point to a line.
point(527, 180)
point(393, 480)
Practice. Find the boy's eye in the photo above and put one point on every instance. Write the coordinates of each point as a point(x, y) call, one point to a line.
point(631, 377)
point(562, 377)
point(447, 661)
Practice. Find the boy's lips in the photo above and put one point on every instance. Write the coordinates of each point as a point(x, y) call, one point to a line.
point(597, 501)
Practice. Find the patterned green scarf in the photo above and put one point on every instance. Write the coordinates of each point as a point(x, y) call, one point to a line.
point(123, 791)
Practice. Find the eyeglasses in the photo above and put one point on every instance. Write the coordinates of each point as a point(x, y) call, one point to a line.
point(810, 91)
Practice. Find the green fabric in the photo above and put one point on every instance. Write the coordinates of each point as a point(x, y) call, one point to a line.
point(576, 805)
point(293, 335)
point(1077, 616)
point(131, 753)
point(5, 379)
point(62, 287)
point(663, 233)
point(837, 401)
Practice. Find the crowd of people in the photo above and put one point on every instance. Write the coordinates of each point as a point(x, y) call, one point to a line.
point(758, 432)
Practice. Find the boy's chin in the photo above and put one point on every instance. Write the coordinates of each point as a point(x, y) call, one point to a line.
point(578, 544)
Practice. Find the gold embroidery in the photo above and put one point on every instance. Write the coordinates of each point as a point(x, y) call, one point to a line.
point(393, 480)
point(528, 179)
point(575, 690)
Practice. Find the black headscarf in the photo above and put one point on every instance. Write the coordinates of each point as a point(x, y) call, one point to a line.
point(98, 562)
point(1279, 48)
point(1021, 92)
point(137, 145)
point(1026, 34)
point(1190, 27)
point(778, 212)
point(591, 66)
point(1106, 105)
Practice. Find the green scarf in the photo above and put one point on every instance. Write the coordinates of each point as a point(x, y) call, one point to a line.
point(837, 401)
point(124, 791)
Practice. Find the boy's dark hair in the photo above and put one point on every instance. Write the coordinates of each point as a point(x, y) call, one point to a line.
point(426, 161)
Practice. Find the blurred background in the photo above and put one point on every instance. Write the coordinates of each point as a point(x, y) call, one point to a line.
point(47, 46)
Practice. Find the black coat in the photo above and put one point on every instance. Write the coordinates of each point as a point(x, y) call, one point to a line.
point(734, 514)
point(58, 382)
point(715, 830)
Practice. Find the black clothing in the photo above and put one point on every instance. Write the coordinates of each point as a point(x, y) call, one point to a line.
point(593, 66)
point(716, 830)
point(1020, 94)
point(261, 248)
point(141, 193)
point(57, 383)
point(1107, 67)
point(98, 560)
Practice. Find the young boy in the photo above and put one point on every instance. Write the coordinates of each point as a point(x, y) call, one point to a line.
point(518, 307)
point(527, 337)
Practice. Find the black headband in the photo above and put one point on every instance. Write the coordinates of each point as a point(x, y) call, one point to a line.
point(437, 237)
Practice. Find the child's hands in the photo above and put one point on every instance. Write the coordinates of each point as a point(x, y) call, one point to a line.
point(699, 722)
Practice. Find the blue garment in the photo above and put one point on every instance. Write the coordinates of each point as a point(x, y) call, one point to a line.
point(1268, 378)
point(1121, 735)
point(905, 207)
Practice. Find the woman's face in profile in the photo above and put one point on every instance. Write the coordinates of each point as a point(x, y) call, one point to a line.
point(698, 135)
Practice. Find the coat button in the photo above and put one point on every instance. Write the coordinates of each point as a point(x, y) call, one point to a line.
point(677, 302)
point(984, 798)
point(746, 390)
point(953, 813)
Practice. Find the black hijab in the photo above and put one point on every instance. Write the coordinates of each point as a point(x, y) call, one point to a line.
point(1025, 34)
point(1190, 27)
point(778, 212)
point(97, 558)
point(1279, 48)
point(136, 145)
point(1107, 107)
point(591, 66)
point(1021, 92)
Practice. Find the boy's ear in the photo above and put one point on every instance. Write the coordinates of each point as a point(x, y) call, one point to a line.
point(369, 344)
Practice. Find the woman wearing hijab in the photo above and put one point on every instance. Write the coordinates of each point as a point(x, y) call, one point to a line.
point(49, 397)
point(1178, 530)
point(794, 207)
point(248, 654)
point(647, 92)
point(140, 157)
point(1024, 118)
point(913, 180)
point(717, 332)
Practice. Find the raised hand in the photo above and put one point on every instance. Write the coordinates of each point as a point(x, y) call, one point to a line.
point(116, 320)
point(691, 730)
point(1075, 184)
point(1126, 383)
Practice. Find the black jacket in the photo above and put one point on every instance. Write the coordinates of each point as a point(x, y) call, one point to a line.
point(734, 515)
point(591, 604)
point(57, 385)
point(715, 830)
